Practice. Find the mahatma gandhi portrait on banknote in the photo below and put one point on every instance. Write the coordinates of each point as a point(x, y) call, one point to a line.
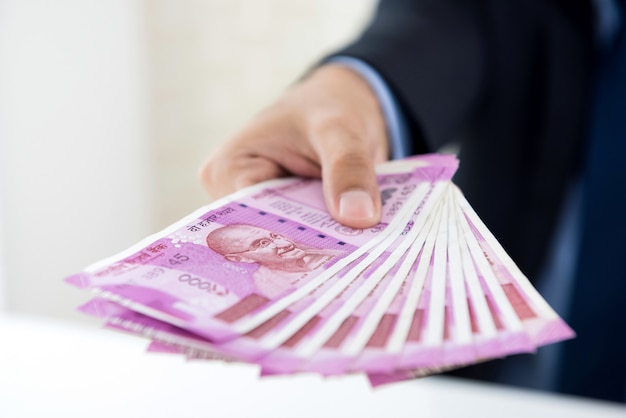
point(281, 259)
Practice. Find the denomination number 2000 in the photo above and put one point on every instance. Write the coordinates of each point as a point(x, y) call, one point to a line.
point(203, 284)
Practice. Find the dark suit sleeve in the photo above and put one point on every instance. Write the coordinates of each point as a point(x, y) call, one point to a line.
point(432, 55)
point(507, 80)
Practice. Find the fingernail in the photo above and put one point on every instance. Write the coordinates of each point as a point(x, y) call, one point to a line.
point(356, 204)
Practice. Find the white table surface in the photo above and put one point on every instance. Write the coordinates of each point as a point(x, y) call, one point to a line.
point(58, 369)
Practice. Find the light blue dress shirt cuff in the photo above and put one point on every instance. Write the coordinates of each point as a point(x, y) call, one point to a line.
point(397, 130)
point(609, 18)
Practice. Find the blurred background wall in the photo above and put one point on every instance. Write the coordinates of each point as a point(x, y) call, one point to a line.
point(107, 109)
point(74, 153)
point(215, 63)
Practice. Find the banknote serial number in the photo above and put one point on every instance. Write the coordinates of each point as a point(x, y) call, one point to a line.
point(154, 273)
point(203, 284)
point(395, 206)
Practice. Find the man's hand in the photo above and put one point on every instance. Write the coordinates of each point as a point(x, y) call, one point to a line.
point(329, 125)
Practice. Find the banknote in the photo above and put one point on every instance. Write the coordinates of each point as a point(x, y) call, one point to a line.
point(266, 276)
point(541, 323)
point(404, 333)
point(229, 267)
point(162, 334)
point(291, 323)
point(345, 309)
point(408, 312)
point(287, 358)
point(450, 350)
point(486, 339)
point(378, 354)
point(340, 352)
point(516, 296)
point(469, 332)
point(373, 252)
point(459, 345)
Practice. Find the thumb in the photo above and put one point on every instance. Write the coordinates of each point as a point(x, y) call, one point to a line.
point(350, 185)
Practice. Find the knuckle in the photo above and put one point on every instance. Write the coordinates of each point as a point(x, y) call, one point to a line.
point(206, 173)
point(351, 160)
point(351, 170)
point(212, 174)
point(330, 124)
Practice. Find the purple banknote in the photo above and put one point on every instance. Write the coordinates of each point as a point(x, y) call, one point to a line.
point(266, 276)
point(228, 268)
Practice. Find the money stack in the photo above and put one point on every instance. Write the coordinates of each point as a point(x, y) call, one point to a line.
point(267, 276)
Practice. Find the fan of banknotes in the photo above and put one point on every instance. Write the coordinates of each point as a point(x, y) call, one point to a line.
point(266, 276)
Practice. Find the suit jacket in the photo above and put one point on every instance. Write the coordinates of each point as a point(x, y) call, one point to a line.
point(508, 81)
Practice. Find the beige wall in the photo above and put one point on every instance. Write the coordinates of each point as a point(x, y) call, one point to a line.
point(73, 148)
point(215, 63)
point(107, 108)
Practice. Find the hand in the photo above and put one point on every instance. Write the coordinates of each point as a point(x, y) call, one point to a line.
point(327, 126)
